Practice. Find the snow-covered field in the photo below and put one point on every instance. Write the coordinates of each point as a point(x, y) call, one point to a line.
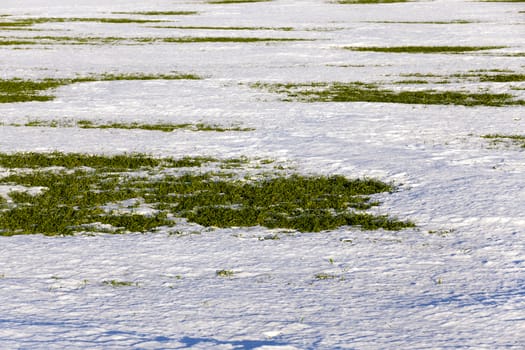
point(456, 281)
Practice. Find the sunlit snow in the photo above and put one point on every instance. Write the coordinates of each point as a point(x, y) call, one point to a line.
point(456, 281)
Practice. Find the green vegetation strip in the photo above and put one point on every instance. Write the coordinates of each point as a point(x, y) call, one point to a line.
point(165, 127)
point(518, 140)
point(423, 49)
point(225, 39)
point(27, 22)
point(20, 90)
point(501, 78)
point(79, 193)
point(115, 283)
point(65, 40)
point(361, 92)
point(483, 75)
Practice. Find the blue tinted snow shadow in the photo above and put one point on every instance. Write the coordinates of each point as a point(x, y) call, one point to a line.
point(71, 334)
point(485, 298)
point(237, 344)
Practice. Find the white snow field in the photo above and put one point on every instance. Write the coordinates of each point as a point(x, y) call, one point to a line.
point(455, 281)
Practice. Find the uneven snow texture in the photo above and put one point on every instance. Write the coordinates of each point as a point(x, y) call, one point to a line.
point(457, 281)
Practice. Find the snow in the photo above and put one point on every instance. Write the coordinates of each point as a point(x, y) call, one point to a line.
point(456, 281)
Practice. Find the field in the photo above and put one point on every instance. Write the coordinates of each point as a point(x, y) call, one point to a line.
point(273, 174)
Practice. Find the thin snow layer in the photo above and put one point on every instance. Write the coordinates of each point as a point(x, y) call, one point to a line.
point(457, 281)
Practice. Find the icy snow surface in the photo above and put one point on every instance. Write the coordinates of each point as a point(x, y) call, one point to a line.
point(457, 281)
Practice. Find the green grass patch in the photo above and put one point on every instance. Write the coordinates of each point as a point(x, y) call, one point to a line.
point(116, 283)
point(487, 76)
point(136, 76)
point(480, 75)
point(361, 92)
point(502, 78)
point(325, 276)
point(78, 193)
point(226, 39)
point(518, 140)
point(27, 22)
point(512, 54)
point(20, 90)
point(224, 273)
point(66, 40)
point(16, 42)
point(14, 24)
point(101, 20)
point(424, 49)
point(165, 127)
point(34, 160)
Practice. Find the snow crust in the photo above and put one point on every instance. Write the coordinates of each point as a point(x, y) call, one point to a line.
point(457, 281)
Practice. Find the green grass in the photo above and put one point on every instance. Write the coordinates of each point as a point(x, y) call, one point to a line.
point(66, 40)
point(226, 39)
point(20, 90)
point(489, 77)
point(518, 140)
point(27, 22)
point(136, 76)
point(494, 70)
point(16, 42)
point(512, 54)
point(502, 78)
point(14, 24)
point(116, 283)
point(424, 49)
point(224, 273)
point(325, 276)
point(76, 190)
point(35, 160)
point(482, 75)
point(165, 127)
point(361, 92)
